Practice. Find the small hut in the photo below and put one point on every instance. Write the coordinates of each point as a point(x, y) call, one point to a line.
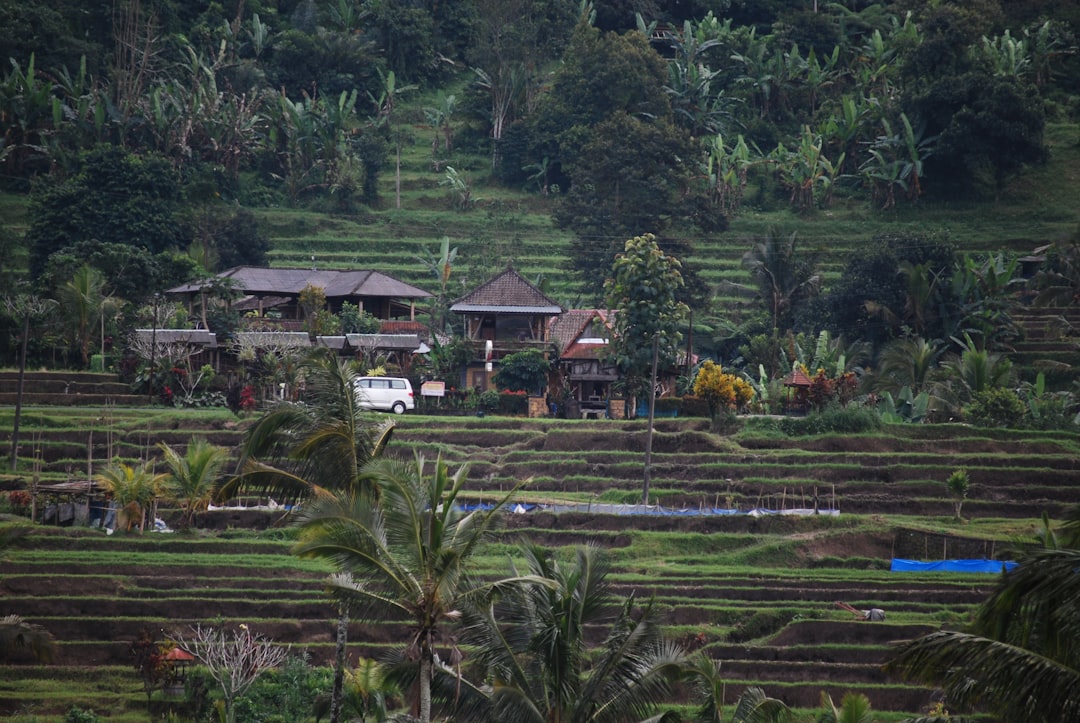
point(798, 386)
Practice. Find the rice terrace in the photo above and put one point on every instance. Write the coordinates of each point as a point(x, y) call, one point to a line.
point(758, 594)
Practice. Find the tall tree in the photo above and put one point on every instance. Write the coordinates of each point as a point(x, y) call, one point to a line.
point(404, 550)
point(115, 198)
point(643, 290)
point(783, 278)
point(83, 300)
point(299, 449)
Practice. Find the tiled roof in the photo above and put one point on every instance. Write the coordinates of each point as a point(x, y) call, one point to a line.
point(797, 378)
point(567, 327)
point(509, 292)
point(396, 326)
point(335, 283)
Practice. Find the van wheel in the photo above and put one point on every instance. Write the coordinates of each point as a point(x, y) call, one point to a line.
point(398, 408)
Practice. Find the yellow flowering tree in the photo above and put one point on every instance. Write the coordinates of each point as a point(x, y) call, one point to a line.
point(720, 389)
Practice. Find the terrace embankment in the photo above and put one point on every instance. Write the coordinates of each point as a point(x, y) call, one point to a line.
point(775, 625)
point(758, 594)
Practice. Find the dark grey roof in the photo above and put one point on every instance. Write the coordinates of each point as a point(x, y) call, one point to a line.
point(403, 342)
point(280, 338)
point(254, 280)
point(507, 293)
point(336, 342)
point(198, 337)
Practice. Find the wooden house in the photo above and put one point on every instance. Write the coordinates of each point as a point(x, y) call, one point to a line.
point(504, 315)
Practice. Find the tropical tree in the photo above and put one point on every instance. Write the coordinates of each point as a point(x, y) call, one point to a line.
point(83, 301)
point(192, 477)
point(532, 641)
point(957, 485)
point(906, 362)
point(853, 708)
point(962, 377)
point(1020, 660)
point(644, 290)
point(403, 550)
point(441, 266)
point(298, 449)
point(783, 279)
point(133, 488)
point(24, 308)
point(321, 443)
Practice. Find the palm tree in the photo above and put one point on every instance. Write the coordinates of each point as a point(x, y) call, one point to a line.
point(192, 477)
point(969, 373)
point(1021, 659)
point(322, 443)
point(783, 279)
point(301, 449)
point(403, 550)
point(84, 301)
point(133, 488)
point(854, 708)
point(906, 362)
point(532, 643)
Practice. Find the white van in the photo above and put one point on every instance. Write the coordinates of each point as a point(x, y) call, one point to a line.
point(390, 394)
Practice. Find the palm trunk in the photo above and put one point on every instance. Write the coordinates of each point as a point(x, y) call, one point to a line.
point(424, 684)
point(339, 663)
point(19, 393)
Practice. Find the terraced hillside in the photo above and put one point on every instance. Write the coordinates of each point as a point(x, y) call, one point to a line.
point(757, 593)
point(504, 224)
point(774, 626)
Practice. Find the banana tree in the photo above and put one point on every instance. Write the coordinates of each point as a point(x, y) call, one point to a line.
point(806, 171)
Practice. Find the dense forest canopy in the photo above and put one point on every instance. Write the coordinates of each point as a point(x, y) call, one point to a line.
point(144, 130)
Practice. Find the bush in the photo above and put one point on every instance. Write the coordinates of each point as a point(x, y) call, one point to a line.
point(512, 404)
point(284, 694)
point(844, 420)
point(997, 407)
point(77, 715)
point(693, 406)
point(667, 406)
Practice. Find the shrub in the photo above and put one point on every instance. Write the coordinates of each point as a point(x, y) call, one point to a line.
point(693, 406)
point(523, 371)
point(843, 420)
point(512, 404)
point(667, 405)
point(721, 390)
point(996, 407)
point(77, 715)
point(759, 625)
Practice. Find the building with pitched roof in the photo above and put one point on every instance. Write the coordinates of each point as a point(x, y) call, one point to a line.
point(581, 336)
point(504, 315)
point(274, 293)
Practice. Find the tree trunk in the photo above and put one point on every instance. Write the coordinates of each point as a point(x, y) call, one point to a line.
point(652, 412)
point(19, 393)
point(339, 663)
point(424, 684)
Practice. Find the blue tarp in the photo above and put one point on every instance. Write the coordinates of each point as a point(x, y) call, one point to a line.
point(983, 566)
